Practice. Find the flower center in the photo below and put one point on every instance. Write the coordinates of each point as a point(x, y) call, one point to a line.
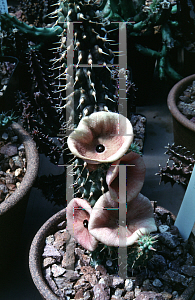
point(100, 148)
point(85, 223)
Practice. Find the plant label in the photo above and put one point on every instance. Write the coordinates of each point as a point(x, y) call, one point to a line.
point(186, 215)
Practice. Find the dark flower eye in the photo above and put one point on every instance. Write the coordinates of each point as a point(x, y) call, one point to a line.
point(85, 223)
point(100, 148)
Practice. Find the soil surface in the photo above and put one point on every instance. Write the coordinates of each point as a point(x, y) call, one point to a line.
point(70, 272)
point(12, 163)
point(186, 102)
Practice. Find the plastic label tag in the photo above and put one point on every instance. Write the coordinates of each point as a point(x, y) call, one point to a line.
point(186, 215)
point(3, 7)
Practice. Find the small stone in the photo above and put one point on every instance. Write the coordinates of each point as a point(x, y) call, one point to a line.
point(5, 136)
point(17, 161)
point(48, 261)
point(157, 262)
point(9, 150)
point(129, 285)
point(189, 260)
point(50, 251)
point(21, 147)
point(11, 186)
point(49, 240)
point(87, 295)
point(118, 292)
point(18, 172)
point(3, 188)
point(101, 292)
point(170, 240)
point(51, 282)
point(62, 225)
point(157, 283)
point(80, 283)
point(149, 295)
point(84, 259)
point(166, 295)
point(188, 270)
point(163, 228)
point(129, 295)
point(137, 291)
point(71, 275)
point(63, 284)
point(117, 281)
point(61, 237)
point(17, 184)
point(175, 294)
point(57, 270)
point(89, 275)
point(101, 269)
point(9, 178)
point(14, 139)
point(175, 278)
point(79, 294)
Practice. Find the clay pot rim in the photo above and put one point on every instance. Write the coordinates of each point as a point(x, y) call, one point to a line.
point(37, 246)
point(173, 95)
point(31, 171)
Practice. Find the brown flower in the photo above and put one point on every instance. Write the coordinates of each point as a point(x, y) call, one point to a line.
point(78, 214)
point(104, 221)
point(101, 137)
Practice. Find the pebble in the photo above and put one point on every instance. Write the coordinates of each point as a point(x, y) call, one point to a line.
point(157, 283)
point(5, 136)
point(101, 292)
point(84, 281)
point(163, 228)
point(176, 278)
point(117, 281)
point(170, 240)
point(129, 285)
point(57, 270)
point(149, 296)
point(48, 261)
point(51, 251)
point(49, 240)
point(188, 270)
point(9, 150)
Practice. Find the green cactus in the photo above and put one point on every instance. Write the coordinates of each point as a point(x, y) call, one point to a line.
point(137, 254)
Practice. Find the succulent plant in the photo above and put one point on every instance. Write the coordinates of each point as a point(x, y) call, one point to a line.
point(6, 119)
point(92, 105)
point(181, 169)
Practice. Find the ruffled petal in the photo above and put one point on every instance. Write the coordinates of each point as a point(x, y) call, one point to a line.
point(78, 214)
point(104, 221)
point(101, 137)
point(135, 174)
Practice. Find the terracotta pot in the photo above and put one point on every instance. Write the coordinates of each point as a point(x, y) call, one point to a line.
point(183, 129)
point(50, 227)
point(12, 210)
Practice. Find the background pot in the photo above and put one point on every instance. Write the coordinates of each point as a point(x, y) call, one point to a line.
point(183, 129)
point(36, 250)
point(12, 210)
point(50, 227)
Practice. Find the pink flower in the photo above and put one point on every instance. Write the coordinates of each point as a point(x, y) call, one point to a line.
point(135, 174)
point(104, 221)
point(78, 214)
point(101, 137)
